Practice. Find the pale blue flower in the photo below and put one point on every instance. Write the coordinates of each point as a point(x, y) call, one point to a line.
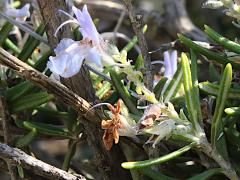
point(20, 14)
point(170, 63)
point(68, 60)
point(70, 54)
point(88, 28)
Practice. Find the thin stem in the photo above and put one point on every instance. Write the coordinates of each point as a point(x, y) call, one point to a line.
point(213, 153)
point(137, 27)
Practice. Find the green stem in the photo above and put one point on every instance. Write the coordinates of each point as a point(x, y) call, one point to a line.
point(218, 140)
point(68, 157)
point(218, 57)
point(7, 27)
point(160, 160)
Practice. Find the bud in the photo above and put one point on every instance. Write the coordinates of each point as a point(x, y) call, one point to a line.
point(121, 57)
point(211, 4)
point(138, 90)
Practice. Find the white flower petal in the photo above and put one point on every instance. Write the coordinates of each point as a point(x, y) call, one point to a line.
point(22, 13)
point(88, 28)
point(173, 61)
point(94, 57)
point(73, 66)
point(107, 60)
point(69, 58)
point(57, 64)
point(168, 67)
point(64, 44)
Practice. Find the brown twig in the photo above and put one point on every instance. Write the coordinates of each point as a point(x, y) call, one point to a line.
point(16, 156)
point(137, 27)
point(60, 91)
point(6, 118)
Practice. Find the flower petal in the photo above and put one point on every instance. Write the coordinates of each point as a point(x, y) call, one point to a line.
point(73, 66)
point(108, 139)
point(94, 57)
point(64, 44)
point(22, 13)
point(88, 28)
point(168, 67)
point(57, 64)
point(115, 136)
point(68, 61)
point(106, 124)
point(173, 61)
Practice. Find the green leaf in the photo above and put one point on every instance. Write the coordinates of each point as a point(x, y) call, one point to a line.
point(123, 92)
point(77, 34)
point(226, 43)
point(194, 73)
point(99, 79)
point(27, 139)
point(20, 171)
point(192, 106)
point(42, 128)
point(18, 90)
point(6, 29)
point(207, 174)
point(182, 115)
point(68, 157)
point(103, 90)
point(134, 41)
point(215, 76)
point(154, 174)
point(31, 44)
point(52, 113)
point(139, 62)
point(24, 87)
point(213, 89)
point(159, 87)
point(174, 85)
point(217, 139)
point(30, 101)
point(112, 99)
point(41, 63)
point(157, 161)
point(12, 46)
point(218, 57)
point(233, 136)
